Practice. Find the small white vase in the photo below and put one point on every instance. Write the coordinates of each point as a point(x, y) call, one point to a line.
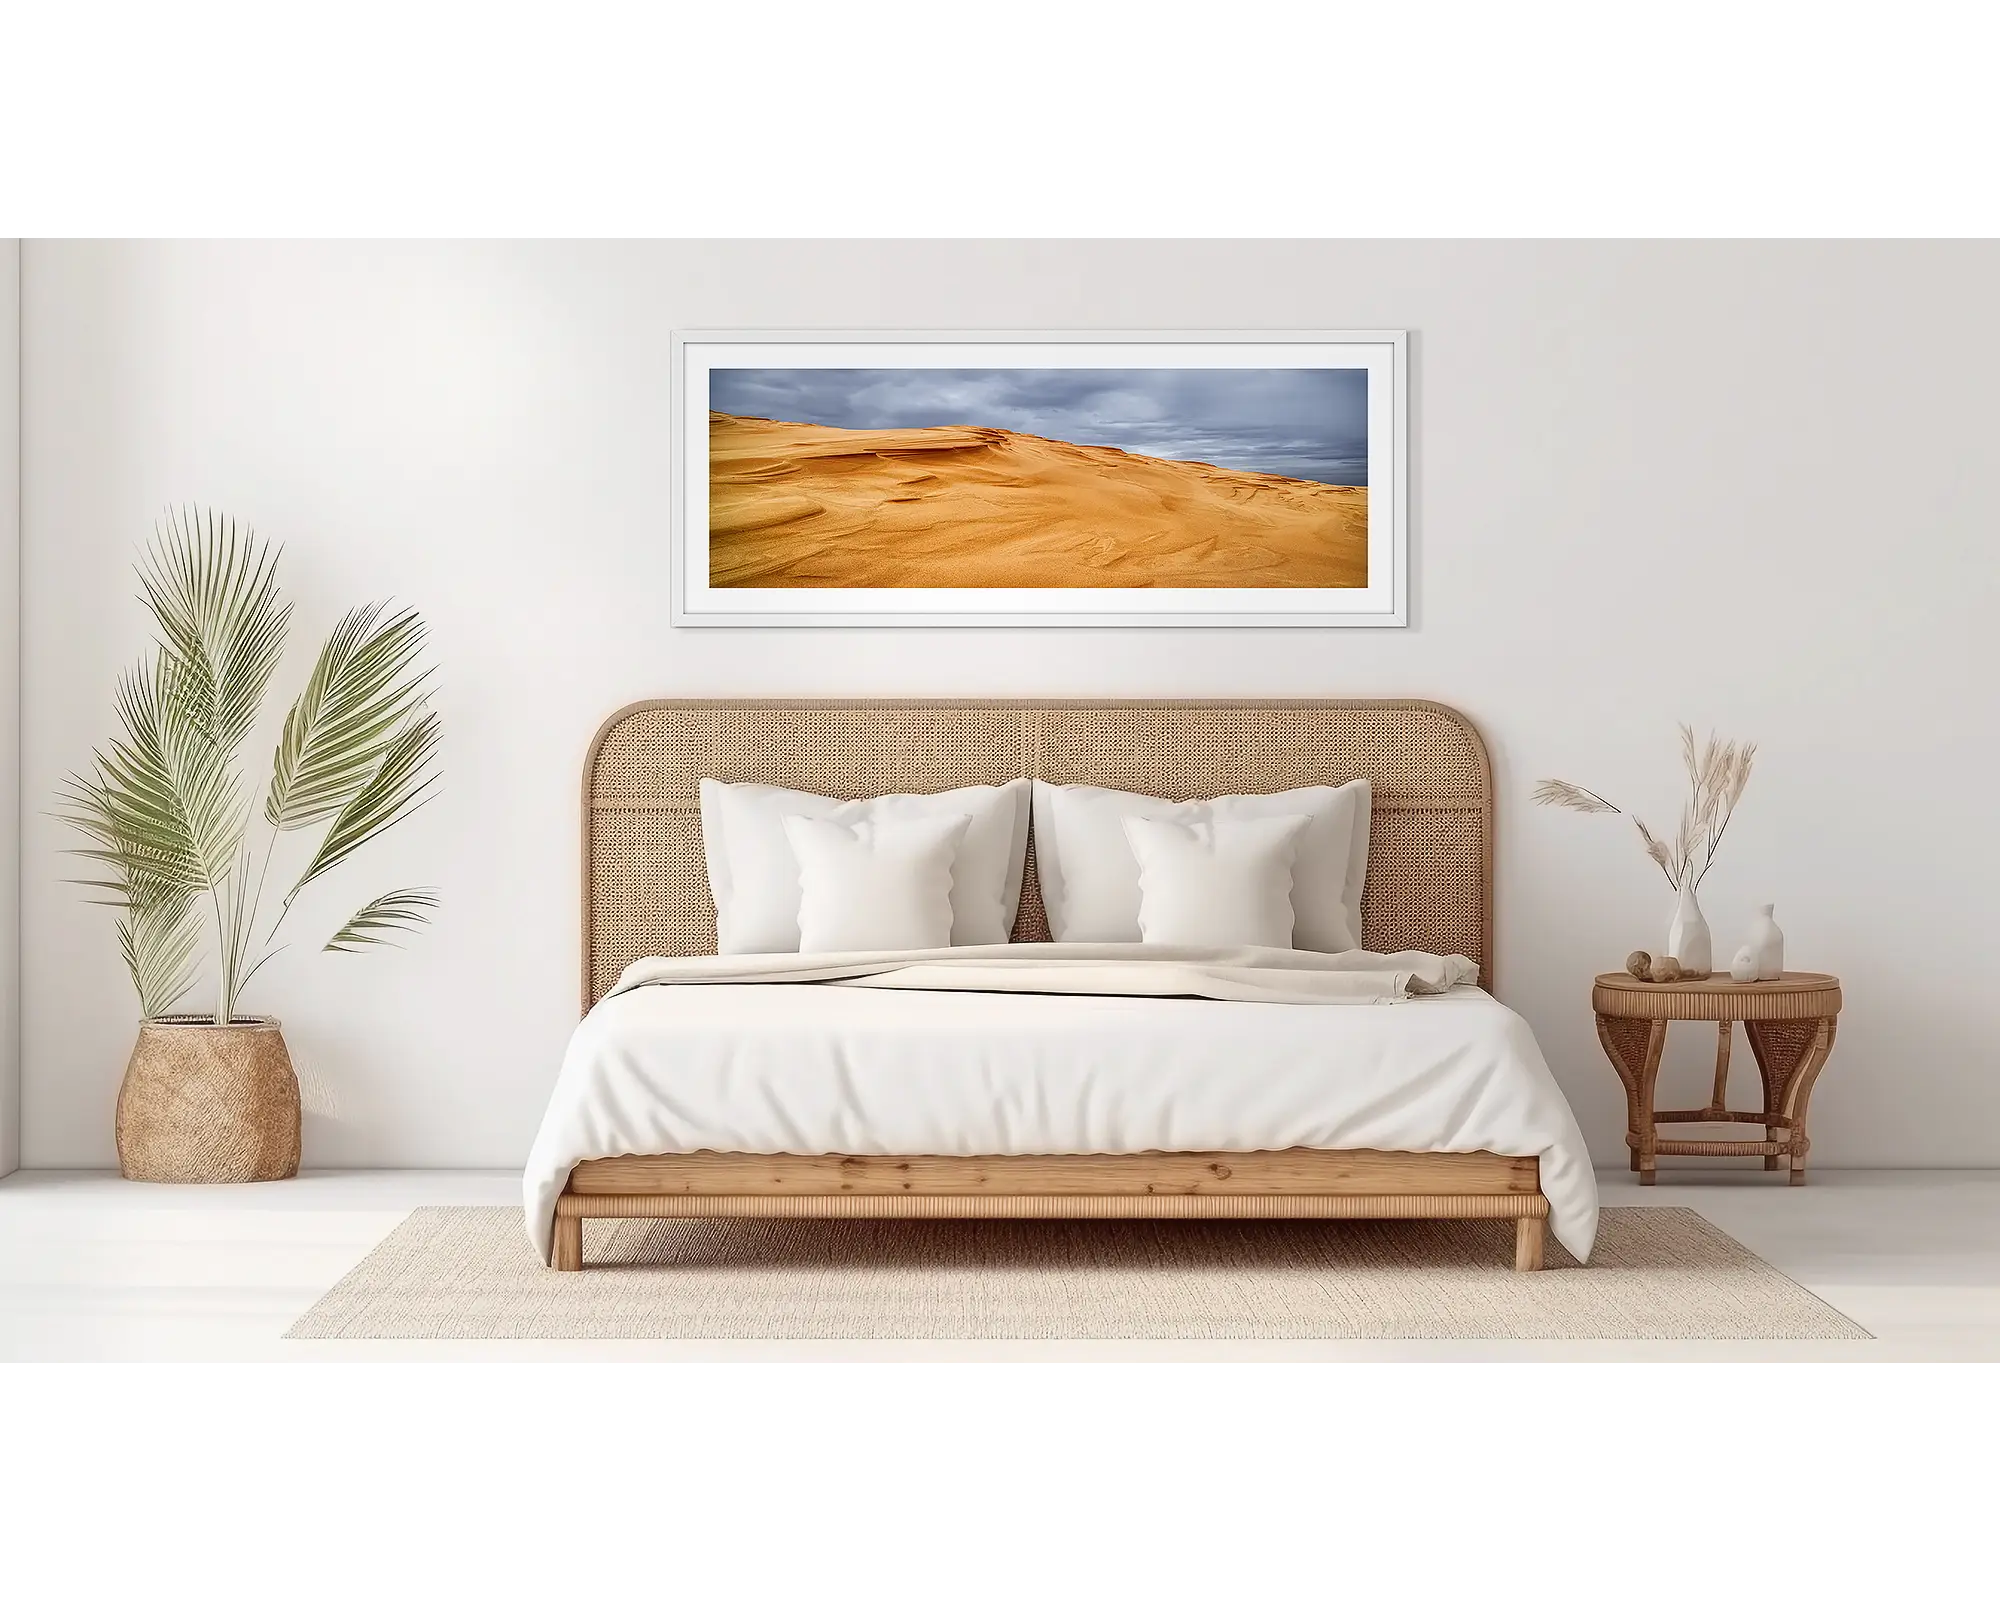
point(1687, 936)
point(1744, 968)
point(1767, 942)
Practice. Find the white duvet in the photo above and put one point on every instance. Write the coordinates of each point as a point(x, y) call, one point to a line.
point(1057, 1050)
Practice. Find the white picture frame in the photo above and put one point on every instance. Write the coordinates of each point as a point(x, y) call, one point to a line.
point(1382, 603)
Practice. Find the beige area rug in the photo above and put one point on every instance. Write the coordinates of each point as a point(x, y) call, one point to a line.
point(467, 1272)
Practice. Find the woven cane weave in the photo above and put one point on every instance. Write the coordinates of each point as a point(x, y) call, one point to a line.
point(1430, 844)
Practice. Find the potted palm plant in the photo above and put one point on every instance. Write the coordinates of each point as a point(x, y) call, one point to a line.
point(212, 1098)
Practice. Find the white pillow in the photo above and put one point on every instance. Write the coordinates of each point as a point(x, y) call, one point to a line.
point(1090, 879)
point(754, 876)
point(1216, 882)
point(875, 885)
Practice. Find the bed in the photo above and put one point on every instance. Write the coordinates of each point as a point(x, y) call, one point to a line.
point(721, 1094)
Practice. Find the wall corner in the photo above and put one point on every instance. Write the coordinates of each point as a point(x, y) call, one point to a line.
point(10, 705)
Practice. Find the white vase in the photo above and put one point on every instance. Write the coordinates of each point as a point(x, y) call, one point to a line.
point(1767, 942)
point(1687, 936)
point(1744, 968)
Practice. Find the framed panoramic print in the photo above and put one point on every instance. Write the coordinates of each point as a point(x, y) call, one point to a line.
point(1040, 479)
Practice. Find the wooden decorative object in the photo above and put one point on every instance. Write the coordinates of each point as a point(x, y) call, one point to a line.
point(1790, 1022)
point(207, 1104)
point(1430, 887)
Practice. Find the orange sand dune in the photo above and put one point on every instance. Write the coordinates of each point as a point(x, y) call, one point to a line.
point(795, 506)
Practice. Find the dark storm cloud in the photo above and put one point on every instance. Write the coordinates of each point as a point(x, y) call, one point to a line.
point(1297, 422)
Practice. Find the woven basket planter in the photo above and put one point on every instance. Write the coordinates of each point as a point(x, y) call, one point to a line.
point(203, 1103)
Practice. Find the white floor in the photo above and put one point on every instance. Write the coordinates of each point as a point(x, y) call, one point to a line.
point(93, 1268)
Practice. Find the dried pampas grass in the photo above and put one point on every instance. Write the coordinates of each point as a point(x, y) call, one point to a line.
point(1718, 771)
point(1554, 792)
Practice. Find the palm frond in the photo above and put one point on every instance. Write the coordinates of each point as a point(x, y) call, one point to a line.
point(235, 914)
point(400, 782)
point(160, 808)
point(158, 932)
point(398, 909)
point(160, 939)
point(213, 592)
point(156, 800)
point(360, 695)
point(1555, 792)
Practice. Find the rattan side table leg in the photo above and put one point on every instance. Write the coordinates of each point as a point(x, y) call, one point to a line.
point(1633, 1046)
point(1790, 1055)
point(1718, 1097)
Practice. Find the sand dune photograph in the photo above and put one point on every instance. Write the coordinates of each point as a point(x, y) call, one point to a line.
point(1038, 478)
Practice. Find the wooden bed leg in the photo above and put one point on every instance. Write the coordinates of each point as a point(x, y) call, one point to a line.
point(1528, 1244)
point(567, 1253)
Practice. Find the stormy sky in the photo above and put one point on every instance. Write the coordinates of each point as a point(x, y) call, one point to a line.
point(1296, 422)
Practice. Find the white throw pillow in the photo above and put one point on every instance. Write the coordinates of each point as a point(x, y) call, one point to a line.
point(754, 876)
point(875, 885)
point(1090, 878)
point(1216, 882)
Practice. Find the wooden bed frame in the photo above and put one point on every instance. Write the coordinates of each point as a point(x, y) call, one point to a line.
point(1430, 887)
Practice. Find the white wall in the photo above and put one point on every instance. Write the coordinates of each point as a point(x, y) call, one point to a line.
point(10, 705)
point(1741, 484)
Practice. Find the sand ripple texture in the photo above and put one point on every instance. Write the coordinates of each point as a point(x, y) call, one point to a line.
point(796, 506)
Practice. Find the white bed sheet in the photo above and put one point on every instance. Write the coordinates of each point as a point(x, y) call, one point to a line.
point(813, 1069)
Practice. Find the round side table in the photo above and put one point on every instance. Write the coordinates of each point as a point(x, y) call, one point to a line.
point(1790, 1025)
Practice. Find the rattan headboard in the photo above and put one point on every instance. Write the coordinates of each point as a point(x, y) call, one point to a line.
point(645, 884)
